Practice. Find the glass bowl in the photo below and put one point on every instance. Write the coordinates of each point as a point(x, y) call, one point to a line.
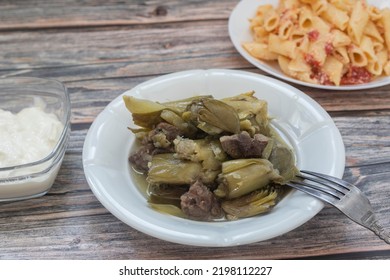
point(30, 176)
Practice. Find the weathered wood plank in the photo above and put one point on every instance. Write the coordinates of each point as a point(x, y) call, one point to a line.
point(102, 48)
point(117, 52)
point(87, 56)
point(349, 101)
point(69, 222)
point(367, 140)
point(72, 224)
point(40, 14)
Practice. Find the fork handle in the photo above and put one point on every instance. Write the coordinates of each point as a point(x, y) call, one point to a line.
point(381, 232)
point(371, 223)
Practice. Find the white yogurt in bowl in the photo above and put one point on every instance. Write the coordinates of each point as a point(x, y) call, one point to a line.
point(35, 126)
point(27, 136)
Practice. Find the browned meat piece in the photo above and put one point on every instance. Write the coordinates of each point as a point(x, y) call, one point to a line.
point(199, 203)
point(169, 131)
point(141, 158)
point(243, 146)
point(158, 141)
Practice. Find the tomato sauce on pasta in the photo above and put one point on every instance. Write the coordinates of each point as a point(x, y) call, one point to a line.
point(329, 42)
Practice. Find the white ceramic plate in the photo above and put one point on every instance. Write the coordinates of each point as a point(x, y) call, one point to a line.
point(302, 122)
point(239, 33)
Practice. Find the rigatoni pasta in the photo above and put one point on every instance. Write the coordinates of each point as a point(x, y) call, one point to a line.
point(335, 16)
point(329, 42)
point(357, 22)
point(386, 26)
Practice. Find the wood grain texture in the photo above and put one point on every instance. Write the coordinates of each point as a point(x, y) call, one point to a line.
point(69, 222)
point(38, 14)
point(100, 49)
point(126, 53)
point(117, 52)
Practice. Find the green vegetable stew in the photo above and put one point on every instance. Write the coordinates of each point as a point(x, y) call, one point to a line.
point(208, 159)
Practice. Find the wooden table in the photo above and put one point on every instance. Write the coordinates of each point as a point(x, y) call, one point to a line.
point(99, 49)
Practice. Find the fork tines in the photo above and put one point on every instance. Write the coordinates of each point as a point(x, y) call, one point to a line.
point(344, 196)
point(321, 186)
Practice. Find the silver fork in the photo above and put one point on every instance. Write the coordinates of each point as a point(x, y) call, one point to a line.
point(342, 195)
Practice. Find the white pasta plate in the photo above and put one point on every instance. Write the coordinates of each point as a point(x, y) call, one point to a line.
point(302, 122)
point(239, 33)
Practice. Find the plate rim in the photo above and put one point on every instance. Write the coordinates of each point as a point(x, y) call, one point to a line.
point(224, 242)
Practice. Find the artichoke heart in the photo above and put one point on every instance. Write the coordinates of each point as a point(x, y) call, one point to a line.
point(213, 116)
point(242, 176)
point(166, 169)
point(166, 194)
point(145, 113)
point(181, 105)
point(283, 160)
point(199, 155)
point(249, 205)
point(207, 152)
point(174, 119)
point(253, 112)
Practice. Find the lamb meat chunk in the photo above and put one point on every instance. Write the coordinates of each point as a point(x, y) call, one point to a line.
point(170, 131)
point(243, 145)
point(162, 136)
point(158, 141)
point(141, 158)
point(199, 203)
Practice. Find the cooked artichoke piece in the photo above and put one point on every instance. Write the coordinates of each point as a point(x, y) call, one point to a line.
point(283, 160)
point(242, 176)
point(141, 106)
point(212, 116)
point(148, 114)
point(268, 149)
point(220, 114)
point(166, 194)
point(206, 151)
point(282, 157)
point(252, 109)
point(145, 113)
point(251, 204)
point(166, 169)
point(209, 129)
point(180, 106)
point(182, 139)
point(172, 118)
